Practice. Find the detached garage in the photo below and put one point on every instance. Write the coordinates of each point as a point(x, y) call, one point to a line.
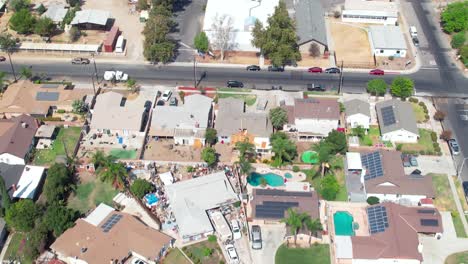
point(387, 41)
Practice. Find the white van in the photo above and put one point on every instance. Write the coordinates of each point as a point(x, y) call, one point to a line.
point(413, 31)
point(119, 46)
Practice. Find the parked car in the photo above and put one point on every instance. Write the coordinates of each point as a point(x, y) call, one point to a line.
point(275, 68)
point(232, 253)
point(415, 41)
point(454, 147)
point(80, 60)
point(465, 189)
point(256, 237)
point(277, 87)
point(234, 84)
point(115, 75)
point(413, 161)
point(236, 231)
point(253, 68)
point(2, 58)
point(413, 31)
point(332, 70)
point(315, 87)
point(173, 101)
point(166, 95)
point(376, 72)
point(138, 261)
point(405, 158)
point(160, 103)
point(315, 70)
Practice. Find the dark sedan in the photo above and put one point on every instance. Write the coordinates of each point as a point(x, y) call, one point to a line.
point(253, 68)
point(332, 70)
point(275, 69)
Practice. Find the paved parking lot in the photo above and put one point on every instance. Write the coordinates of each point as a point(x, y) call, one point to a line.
point(272, 236)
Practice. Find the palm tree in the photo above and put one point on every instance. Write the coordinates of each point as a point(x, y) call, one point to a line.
point(114, 173)
point(293, 221)
point(99, 159)
point(245, 166)
point(26, 72)
point(313, 225)
point(245, 148)
point(324, 154)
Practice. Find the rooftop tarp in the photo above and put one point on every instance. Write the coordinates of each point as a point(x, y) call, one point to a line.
point(59, 47)
point(166, 178)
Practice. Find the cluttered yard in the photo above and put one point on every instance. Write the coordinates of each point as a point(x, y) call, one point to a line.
point(63, 145)
point(206, 252)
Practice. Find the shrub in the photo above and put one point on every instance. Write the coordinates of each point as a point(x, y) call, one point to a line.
point(422, 104)
point(422, 152)
point(439, 115)
point(207, 251)
point(413, 100)
point(458, 40)
point(22, 21)
point(212, 238)
point(74, 34)
point(61, 111)
point(433, 136)
point(296, 168)
point(237, 204)
point(266, 161)
point(435, 144)
point(446, 135)
point(190, 169)
point(41, 9)
point(437, 149)
point(373, 200)
point(399, 147)
point(426, 117)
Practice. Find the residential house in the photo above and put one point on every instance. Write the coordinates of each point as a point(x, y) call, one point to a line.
point(370, 12)
point(381, 174)
point(312, 118)
point(191, 200)
point(186, 124)
point(91, 19)
point(392, 236)
point(38, 100)
point(387, 41)
point(243, 15)
point(310, 24)
point(11, 175)
point(56, 12)
point(114, 114)
point(357, 113)
point(234, 125)
point(397, 121)
point(109, 236)
point(17, 139)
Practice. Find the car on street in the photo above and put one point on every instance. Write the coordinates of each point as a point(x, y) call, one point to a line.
point(415, 41)
point(315, 87)
point(277, 87)
point(232, 254)
point(2, 58)
point(166, 95)
point(234, 84)
point(160, 103)
point(236, 231)
point(256, 237)
point(377, 72)
point(454, 147)
point(80, 60)
point(465, 189)
point(138, 261)
point(315, 70)
point(253, 68)
point(273, 68)
point(173, 101)
point(332, 70)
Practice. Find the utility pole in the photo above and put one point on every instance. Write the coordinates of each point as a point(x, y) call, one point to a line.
point(11, 64)
point(195, 71)
point(341, 78)
point(95, 69)
point(94, 87)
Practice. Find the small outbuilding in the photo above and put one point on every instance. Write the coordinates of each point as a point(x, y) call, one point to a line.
point(387, 41)
point(91, 19)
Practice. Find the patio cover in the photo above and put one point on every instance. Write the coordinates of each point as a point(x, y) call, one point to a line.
point(353, 159)
point(166, 178)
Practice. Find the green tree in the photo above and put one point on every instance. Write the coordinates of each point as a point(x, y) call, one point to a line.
point(8, 44)
point(337, 142)
point(329, 188)
point(464, 53)
point(160, 52)
point(278, 117)
point(44, 27)
point(17, 5)
point(201, 42)
point(458, 40)
point(101, 160)
point(115, 174)
point(402, 87)
point(373, 200)
point(26, 72)
point(222, 37)
point(6, 201)
point(285, 150)
point(312, 225)
point(74, 3)
point(294, 221)
point(22, 215)
point(211, 135)
point(455, 17)
point(244, 165)
point(131, 84)
point(59, 218)
point(58, 183)
point(140, 187)
point(278, 40)
point(35, 243)
point(74, 34)
point(142, 5)
point(78, 106)
point(377, 87)
point(246, 149)
point(324, 154)
point(359, 131)
point(209, 156)
point(22, 22)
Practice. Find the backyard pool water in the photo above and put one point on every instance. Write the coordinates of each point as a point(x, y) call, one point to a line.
point(343, 222)
point(151, 199)
point(288, 175)
point(272, 179)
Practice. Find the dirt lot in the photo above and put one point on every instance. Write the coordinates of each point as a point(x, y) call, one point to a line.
point(233, 57)
point(309, 61)
point(351, 44)
point(161, 150)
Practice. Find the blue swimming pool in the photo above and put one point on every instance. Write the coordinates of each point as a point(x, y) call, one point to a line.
point(288, 175)
point(272, 179)
point(151, 198)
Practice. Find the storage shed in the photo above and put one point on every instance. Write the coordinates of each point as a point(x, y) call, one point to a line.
point(109, 42)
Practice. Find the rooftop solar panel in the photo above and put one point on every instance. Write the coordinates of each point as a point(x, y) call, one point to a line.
point(45, 96)
point(388, 116)
point(373, 165)
point(429, 222)
point(114, 219)
point(377, 218)
point(273, 209)
point(50, 85)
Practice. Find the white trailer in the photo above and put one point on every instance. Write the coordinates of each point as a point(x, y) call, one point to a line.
point(221, 225)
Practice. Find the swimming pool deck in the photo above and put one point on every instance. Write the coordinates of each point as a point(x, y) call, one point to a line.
point(357, 210)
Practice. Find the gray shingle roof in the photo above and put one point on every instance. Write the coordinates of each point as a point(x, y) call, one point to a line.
point(357, 106)
point(310, 21)
point(404, 116)
point(387, 37)
point(56, 12)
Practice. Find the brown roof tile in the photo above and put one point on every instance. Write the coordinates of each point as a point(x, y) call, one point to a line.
point(316, 108)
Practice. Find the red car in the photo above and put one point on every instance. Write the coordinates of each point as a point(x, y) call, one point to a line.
point(376, 72)
point(2, 58)
point(315, 69)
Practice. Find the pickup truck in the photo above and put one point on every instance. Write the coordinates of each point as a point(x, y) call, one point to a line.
point(79, 60)
point(115, 75)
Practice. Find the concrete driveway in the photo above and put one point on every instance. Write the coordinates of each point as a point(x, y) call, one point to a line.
point(272, 236)
point(436, 251)
point(434, 164)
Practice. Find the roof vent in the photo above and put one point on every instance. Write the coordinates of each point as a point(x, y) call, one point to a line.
point(27, 168)
point(83, 250)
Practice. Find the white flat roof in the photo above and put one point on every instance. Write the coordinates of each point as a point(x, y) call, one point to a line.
point(99, 214)
point(27, 184)
point(191, 199)
point(221, 225)
point(239, 12)
point(166, 178)
point(59, 47)
point(372, 13)
point(387, 37)
point(365, 5)
point(343, 247)
point(353, 159)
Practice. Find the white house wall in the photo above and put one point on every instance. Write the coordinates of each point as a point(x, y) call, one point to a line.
point(258, 144)
point(316, 126)
point(414, 199)
point(356, 120)
point(353, 16)
point(400, 136)
point(390, 52)
point(386, 261)
point(11, 159)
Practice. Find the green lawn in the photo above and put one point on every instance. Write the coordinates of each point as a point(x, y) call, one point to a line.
point(457, 258)
point(419, 112)
point(424, 143)
point(195, 253)
point(123, 154)
point(312, 93)
point(226, 89)
point(249, 99)
point(316, 254)
point(175, 256)
point(372, 137)
point(15, 248)
point(445, 202)
point(69, 136)
point(90, 194)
